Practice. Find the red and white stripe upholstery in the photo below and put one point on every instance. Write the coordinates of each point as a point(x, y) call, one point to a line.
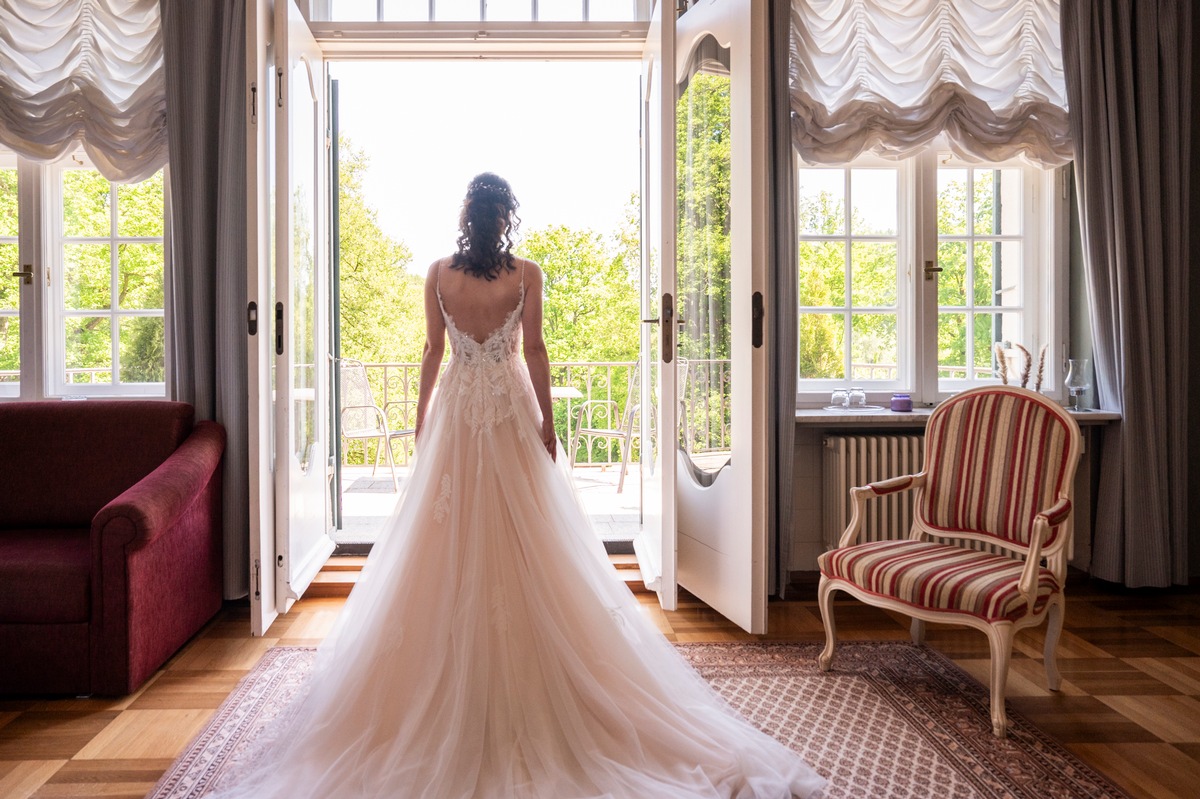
point(999, 462)
point(926, 574)
point(994, 460)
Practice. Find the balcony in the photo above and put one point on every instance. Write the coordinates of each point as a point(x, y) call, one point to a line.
point(704, 405)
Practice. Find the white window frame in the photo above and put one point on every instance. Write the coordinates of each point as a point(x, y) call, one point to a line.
point(1044, 282)
point(43, 350)
point(9, 160)
point(822, 387)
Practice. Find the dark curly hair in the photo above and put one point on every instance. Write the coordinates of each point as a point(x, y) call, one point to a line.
point(486, 225)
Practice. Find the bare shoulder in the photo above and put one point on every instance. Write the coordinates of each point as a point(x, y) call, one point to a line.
point(533, 272)
point(436, 266)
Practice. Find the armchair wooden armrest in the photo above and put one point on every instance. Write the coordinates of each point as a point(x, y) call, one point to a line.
point(860, 494)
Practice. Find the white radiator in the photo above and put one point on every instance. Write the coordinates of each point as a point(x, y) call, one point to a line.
point(857, 460)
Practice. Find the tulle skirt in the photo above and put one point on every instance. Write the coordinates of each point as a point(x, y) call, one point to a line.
point(490, 651)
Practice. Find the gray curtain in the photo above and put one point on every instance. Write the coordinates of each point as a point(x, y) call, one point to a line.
point(1128, 70)
point(204, 51)
point(781, 312)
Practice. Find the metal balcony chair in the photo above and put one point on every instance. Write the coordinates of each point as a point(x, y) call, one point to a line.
point(363, 420)
point(990, 536)
point(603, 419)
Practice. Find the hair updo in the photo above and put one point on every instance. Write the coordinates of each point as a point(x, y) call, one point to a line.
point(486, 225)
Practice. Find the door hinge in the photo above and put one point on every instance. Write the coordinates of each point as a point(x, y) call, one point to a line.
point(279, 88)
point(252, 318)
point(253, 103)
point(257, 579)
point(757, 313)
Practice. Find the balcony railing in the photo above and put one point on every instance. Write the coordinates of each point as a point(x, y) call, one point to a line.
point(704, 402)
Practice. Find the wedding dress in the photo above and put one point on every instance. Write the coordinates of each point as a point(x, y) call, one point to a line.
point(489, 649)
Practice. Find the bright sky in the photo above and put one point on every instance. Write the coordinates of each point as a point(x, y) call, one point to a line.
point(564, 134)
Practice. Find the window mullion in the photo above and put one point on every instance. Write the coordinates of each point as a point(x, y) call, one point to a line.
point(114, 282)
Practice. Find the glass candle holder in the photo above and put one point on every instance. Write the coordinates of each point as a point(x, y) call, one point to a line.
point(1078, 382)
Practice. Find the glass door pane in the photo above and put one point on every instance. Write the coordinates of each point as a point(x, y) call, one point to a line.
point(703, 150)
point(10, 285)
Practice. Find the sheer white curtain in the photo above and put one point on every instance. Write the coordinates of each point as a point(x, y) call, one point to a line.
point(888, 76)
point(84, 71)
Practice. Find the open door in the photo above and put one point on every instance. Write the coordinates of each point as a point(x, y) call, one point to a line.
point(288, 327)
point(301, 321)
point(655, 544)
point(722, 243)
point(260, 293)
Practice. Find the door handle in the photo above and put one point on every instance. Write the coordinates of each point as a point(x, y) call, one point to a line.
point(26, 274)
point(279, 328)
point(668, 329)
point(931, 270)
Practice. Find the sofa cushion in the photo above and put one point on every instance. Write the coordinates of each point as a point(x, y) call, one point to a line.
point(44, 576)
point(66, 460)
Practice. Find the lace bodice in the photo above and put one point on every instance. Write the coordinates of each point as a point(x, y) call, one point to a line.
point(483, 378)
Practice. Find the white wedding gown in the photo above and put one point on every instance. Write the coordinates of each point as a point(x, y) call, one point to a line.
point(489, 649)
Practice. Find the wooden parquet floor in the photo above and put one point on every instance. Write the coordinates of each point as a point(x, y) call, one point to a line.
point(1129, 705)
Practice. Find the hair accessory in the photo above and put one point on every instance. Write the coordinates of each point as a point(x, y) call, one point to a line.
point(475, 187)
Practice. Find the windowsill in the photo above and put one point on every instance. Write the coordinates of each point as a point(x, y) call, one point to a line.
point(818, 417)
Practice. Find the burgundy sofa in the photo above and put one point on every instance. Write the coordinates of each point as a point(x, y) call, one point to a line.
point(110, 541)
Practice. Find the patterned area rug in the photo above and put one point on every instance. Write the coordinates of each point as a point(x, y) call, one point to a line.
point(891, 720)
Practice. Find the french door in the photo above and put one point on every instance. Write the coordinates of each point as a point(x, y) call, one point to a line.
point(706, 213)
point(288, 347)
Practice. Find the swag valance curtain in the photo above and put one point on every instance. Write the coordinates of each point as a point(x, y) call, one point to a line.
point(84, 72)
point(888, 76)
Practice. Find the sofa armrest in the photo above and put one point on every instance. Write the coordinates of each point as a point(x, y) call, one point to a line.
point(154, 503)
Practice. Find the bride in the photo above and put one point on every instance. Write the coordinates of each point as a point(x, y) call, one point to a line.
point(488, 649)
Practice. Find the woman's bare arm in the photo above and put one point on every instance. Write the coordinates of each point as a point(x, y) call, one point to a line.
point(536, 357)
point(435, 345)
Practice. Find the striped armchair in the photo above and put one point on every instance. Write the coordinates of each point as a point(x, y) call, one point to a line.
point(989, 541)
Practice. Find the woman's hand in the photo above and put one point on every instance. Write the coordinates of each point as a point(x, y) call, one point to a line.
point(549, 440)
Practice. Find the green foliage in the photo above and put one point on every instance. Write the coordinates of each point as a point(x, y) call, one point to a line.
point(10, 345)
point(89, 282)
point(822, 288)
point(382, 303)
point(703, 195)
point(958, 274)
point(590, 295)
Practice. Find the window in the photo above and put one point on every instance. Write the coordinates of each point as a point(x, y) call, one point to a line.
point(478, 10)
point(10, 287)
point(927, 276)
point(95, 311)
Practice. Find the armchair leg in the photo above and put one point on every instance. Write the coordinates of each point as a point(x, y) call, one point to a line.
point(378, 444)
point(391, 462)
point(1000, 639)
point(917, 631)
point(825, 602)
point(574, 445)
point(625, 447)
point(1054, 627)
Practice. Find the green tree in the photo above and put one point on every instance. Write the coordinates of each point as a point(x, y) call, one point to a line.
point(10, 345)
point(89, 283)
point(590, 297)
point(590, 307)
point(382, 303)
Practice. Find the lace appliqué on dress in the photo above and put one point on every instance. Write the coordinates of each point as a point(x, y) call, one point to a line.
point(441, 506)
